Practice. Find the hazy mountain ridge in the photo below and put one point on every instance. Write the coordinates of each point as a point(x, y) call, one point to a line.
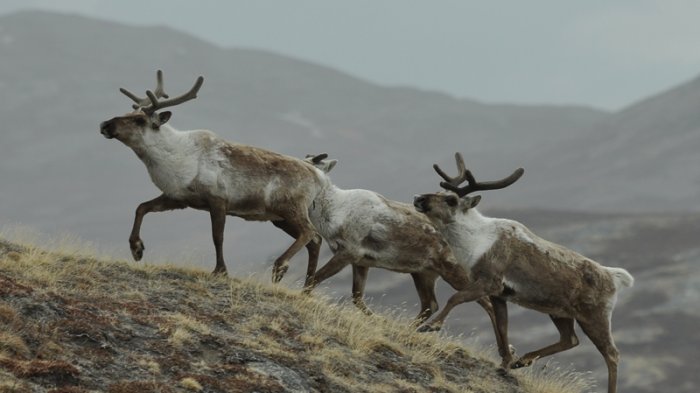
point(575, 157)
point(639, 159)
point(60, 76)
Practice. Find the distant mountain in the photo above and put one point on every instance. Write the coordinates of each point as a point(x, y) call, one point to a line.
point(69, 69)
point(59, 78)
point(642, 158)
point(60, 74)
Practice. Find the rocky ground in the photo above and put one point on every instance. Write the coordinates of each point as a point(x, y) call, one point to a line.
point(71, 324)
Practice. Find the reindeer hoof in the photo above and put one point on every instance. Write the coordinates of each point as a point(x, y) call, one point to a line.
point(218, 271)
point(428, 328)
point(279, 272)
point(367, 311)
point(137, 248)
point(520, 363)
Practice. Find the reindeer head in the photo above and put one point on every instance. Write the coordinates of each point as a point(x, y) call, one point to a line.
point(131, 127)
point(320, 162)
point(444, 205)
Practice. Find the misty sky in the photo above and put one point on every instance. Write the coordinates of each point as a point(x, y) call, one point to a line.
point(601, 53)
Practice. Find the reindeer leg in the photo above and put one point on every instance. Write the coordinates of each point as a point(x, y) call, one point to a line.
point(467, 291)
point(500, 326)
point(313, 247)
point(497, 310)
point(598, 330)
point(217, 211)
point(305, 234)
point(567, 340)
point(159, 204)
point(425, 286)
point(473, 291)
point(336, 264)
point(359, 279)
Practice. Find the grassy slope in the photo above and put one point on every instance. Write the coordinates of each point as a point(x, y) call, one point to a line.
point(71, 324)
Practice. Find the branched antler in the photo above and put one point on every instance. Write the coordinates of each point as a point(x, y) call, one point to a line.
point(142, 102)
point(452, 183)
point(461, 176)
point(150, 103)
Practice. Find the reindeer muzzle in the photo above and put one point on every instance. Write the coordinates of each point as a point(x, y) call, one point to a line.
point(419, 202)
point(107, 129)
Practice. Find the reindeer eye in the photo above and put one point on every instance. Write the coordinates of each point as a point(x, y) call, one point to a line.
point(140, 121)
point(451, 200)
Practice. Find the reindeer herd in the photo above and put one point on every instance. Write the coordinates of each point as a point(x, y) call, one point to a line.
point(488, 260)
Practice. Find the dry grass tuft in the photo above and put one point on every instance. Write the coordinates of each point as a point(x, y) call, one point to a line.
point(191, 384)
point(551, 378)
point(343, 324)
point(8, 316)
point(189, 323)
point(149, 365)
point(183, 329)
point(13, 345)
point(11, 384)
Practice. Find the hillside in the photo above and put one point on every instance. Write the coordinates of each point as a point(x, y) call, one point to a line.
point(74, 324)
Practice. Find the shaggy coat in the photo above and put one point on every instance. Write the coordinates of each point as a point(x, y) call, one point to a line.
point(364, 229)
point(200, 170)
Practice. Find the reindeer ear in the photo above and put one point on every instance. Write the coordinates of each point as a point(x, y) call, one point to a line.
point(330, 165)
point(163, 117)
point(473, 201)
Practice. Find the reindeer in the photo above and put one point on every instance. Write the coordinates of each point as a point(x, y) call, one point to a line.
point(364, 229)
point(200, 170)
point(507, 262)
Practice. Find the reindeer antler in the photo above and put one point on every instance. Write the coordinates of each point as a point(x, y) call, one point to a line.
point(452, 183)
point(151, 104)
point(316, 158)
point(142, 102)
point(461, 176)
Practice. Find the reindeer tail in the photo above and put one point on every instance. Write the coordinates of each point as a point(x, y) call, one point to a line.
point(621, 277)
